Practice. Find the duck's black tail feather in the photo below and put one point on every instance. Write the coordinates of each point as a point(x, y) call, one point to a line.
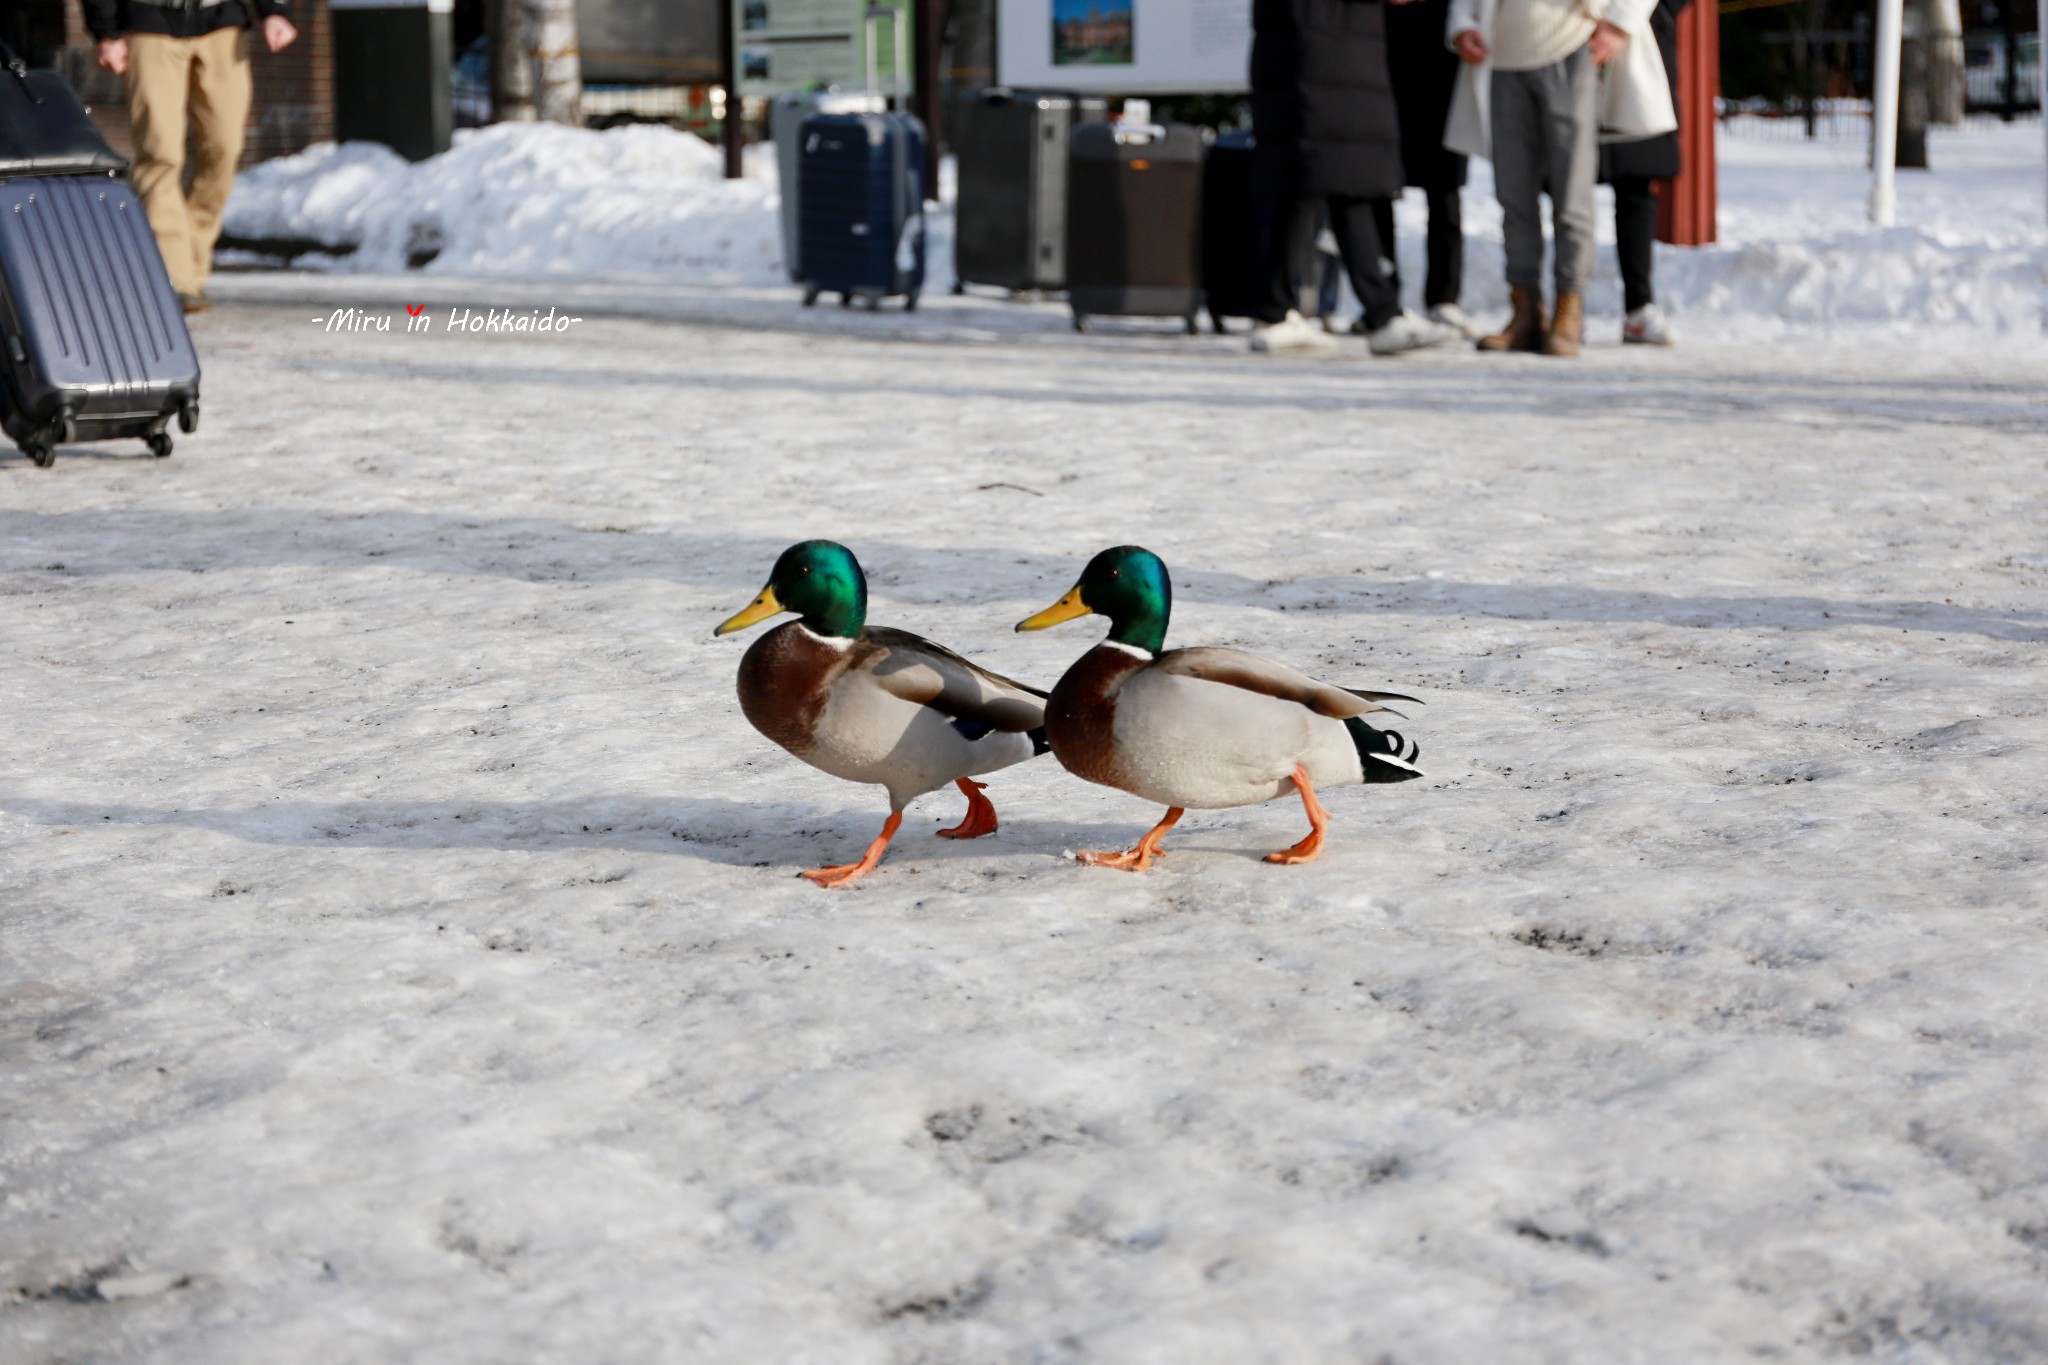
point(1383, 754)
point(1039, 743)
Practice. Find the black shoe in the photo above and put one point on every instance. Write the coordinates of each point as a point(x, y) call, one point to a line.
point(194, 303)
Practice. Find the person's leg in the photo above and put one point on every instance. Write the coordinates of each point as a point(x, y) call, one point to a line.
point(1296, 219)
point(1383, 223)
point(158, 70)
point(222, 89)
point(1446, 248)
point(1356, 225)
point(1635, 232)
point(1518, 169)
point(1518, 177)
point(1572, 152)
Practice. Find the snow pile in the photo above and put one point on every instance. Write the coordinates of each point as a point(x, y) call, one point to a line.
point(524, 200)
point(536, 200)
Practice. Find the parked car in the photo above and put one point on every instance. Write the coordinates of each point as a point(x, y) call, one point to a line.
point(1984, 71)
point(470, 86)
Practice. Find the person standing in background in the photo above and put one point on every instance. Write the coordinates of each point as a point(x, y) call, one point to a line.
point(1632, 167)
point(1326, 135)
point(181, 59)
point(1532, 97)
point(1424, 73)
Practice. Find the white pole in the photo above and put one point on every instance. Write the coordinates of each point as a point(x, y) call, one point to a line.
point(1884, 115)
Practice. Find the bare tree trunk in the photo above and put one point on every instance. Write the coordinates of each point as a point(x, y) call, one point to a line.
point(1912, 136)
point(1945, 63)
point(557, 65)
point(511, 73)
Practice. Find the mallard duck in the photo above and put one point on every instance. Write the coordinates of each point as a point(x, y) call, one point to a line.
point(871, 704)
point(1208, 728)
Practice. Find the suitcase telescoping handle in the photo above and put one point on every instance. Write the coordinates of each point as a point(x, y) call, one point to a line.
point(19, 69)
point(873, 23)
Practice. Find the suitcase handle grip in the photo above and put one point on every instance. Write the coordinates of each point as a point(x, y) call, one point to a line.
point(871, 22)
point(14, 63)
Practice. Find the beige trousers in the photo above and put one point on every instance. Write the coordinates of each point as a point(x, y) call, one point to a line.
point(168, 79)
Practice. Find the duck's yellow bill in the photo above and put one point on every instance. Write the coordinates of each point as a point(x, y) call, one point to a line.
point(1066, 609)
point(760, 609)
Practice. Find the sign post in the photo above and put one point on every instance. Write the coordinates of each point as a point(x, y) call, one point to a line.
point(1884, 115)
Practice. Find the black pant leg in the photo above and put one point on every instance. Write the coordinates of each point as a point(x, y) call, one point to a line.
point(1296, 220)
point(1383, 223)
point(1446, 247)
point(1635, 234)
point(1356, 225)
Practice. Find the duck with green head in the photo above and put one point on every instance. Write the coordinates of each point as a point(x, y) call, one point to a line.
point(871, 704)
point(1208, 728)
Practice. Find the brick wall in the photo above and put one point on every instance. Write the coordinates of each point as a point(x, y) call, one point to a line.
point(294, 105)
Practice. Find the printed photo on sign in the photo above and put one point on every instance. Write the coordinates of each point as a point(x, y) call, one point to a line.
point(1093, 33)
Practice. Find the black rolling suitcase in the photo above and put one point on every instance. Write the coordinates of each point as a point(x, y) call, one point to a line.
point(93, 345)
point(1134, 221)
point(1237, 232)
point(860, 224)
point(1011, 217)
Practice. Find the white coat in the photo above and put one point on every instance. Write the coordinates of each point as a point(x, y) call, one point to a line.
point(1635, 92)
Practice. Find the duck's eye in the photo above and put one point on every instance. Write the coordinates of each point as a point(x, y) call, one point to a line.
point(804, 569)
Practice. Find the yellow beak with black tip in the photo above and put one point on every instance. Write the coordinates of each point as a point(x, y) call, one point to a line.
point(1066, 609)
point(758, 610)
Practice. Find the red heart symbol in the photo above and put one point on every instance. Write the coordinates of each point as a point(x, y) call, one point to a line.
point(413, 310)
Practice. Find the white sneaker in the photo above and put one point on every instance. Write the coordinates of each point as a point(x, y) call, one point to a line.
point(1296, 333)
point(1451, 316)
point(1407, 332)
point(1648, 326)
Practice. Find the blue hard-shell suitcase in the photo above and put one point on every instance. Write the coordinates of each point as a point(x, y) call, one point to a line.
point(860, 178)
point(93, 345)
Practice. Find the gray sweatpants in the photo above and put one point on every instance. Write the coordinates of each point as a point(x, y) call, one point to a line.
point(1546, 135)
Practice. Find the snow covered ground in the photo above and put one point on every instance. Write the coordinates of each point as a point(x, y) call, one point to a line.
point(519, 201)
point(401, 957)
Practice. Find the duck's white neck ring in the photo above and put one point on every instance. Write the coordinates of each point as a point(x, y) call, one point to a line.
point(839, 642)
point(1132, 650)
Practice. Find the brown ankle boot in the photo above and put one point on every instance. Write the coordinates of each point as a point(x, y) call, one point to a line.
point(1525, 330)
point(1568, 328)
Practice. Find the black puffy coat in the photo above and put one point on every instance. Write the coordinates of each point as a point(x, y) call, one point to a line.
point(1322, 100)
point(1424, 72)
point(1654, 158)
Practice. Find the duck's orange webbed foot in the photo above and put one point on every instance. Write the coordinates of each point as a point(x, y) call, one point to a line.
point(1139, 858)
point(840, 875)
point(1318, 821)
point(981, 813)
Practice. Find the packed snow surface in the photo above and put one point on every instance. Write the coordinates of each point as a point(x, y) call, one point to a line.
point(403, 957)
point(520, 200)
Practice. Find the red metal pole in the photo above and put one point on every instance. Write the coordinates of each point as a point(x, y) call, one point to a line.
point(1685, 206)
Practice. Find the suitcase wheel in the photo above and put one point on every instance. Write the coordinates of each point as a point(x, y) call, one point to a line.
point(1193, 325)
point(959, 286)
point(1216, 321)
point(1080, 322)
point(910, 302)
point(188, 416)
point(846, 300)
point(39, 455)
point(811, 293)
point(160, 444)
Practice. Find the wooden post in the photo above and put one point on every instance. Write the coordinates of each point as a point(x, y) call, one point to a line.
point(1686, 205)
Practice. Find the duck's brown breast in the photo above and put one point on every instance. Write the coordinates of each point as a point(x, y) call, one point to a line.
point(784, 683)
point(1080, 716)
